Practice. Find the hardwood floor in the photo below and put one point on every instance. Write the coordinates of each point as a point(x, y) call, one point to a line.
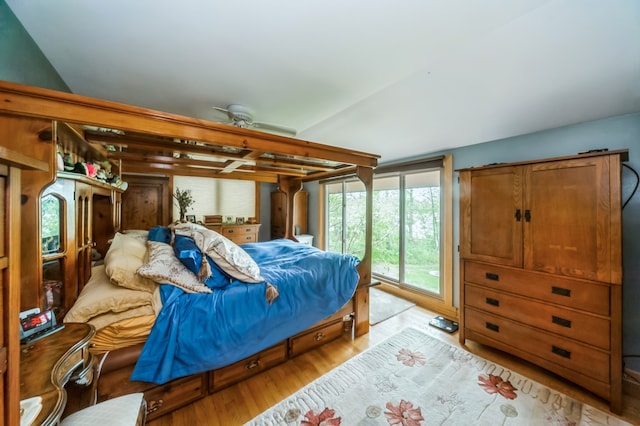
point(240, 403)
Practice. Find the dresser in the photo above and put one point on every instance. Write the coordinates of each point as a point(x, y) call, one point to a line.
point(541, 265)
point(239, 234)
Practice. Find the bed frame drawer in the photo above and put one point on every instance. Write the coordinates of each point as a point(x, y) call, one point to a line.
point(255, 364)
point(316, 337)
point(165, 398)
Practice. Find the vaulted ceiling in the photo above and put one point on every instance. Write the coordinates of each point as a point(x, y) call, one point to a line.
point(399, 79)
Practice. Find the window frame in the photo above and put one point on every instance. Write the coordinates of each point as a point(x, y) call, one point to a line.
point(443, 302)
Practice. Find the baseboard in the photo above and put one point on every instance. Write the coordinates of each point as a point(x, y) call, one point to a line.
point(426, 302)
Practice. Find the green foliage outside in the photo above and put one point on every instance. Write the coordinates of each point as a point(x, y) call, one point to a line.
point(421, 233)
point(51, 215)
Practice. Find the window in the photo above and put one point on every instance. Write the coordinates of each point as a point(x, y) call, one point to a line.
point(411, 245)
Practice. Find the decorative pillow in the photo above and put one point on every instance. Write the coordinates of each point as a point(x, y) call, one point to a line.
point(165, 268)
point(191, 257)
point(188, 253)
point(161, 234)
point(125, 255)
point(234, 260)
point(99, 296)
point(229, 256)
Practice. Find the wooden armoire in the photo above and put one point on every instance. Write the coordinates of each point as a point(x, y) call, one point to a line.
point(541, 265)
point(279, 213)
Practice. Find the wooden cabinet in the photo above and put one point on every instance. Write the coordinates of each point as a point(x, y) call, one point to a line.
point(279, 213)
point(541, 266)
point(239, 234)
point(87, 215)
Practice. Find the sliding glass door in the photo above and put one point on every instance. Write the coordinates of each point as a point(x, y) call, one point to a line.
point(407, 231)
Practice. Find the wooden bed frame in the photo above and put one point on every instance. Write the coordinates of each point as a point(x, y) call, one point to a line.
point(35, 121)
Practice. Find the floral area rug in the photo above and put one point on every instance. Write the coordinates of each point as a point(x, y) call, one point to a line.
point(413, 379)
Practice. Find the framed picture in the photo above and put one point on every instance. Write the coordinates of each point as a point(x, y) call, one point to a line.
point(191, 218)
point(228, 219)
point(239, 220)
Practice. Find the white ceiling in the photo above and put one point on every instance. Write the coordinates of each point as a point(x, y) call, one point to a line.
point(397, 78)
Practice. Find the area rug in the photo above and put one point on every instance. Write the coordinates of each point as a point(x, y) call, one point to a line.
point(384, 305)
point(413, 379)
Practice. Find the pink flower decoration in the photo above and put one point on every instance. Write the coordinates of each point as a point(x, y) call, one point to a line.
point(325, 418)
point(404, 414)
point(494, 384)
point(409, 358)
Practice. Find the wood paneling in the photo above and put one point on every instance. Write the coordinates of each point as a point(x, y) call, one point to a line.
point(145, 203)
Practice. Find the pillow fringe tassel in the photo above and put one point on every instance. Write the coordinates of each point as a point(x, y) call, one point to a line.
point(271, 293)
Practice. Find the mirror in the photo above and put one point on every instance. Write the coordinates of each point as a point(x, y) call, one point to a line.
point(51, 223)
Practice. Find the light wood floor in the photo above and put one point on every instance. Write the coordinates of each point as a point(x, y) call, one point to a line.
point(240, 403)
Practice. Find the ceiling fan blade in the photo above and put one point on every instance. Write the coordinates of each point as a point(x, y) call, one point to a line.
point(226, 111)
point(275, 128)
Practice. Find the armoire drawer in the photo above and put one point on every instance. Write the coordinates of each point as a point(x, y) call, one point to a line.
point(223, 377)
point(573, 324)
point(568, 354)
point(578, 294)
point(304, 342)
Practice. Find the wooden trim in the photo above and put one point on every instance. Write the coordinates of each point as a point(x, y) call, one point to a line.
point(11, 283)
point(623, 153)
point(38, 102)
point(447, 264)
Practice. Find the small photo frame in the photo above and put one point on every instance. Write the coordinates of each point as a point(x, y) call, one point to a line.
point(239, 220)
point(228, 219)
point(191, 218)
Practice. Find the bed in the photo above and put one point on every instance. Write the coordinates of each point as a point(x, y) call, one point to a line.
point(155, 308)
point(148, 144)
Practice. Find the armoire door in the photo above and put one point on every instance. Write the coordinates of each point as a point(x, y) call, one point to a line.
point(493, 233)
point(568, 223)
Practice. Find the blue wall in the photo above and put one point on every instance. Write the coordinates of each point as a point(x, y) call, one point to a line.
point(21, 60)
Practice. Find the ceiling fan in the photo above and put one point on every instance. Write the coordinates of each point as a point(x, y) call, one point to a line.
point(242, 116)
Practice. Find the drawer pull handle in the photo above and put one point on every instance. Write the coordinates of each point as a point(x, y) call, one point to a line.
point(154, 406)
point(253, 364)
point(491, 276)
point(561, 321)
point(230, 231)
point(319, 336)
point(518, 215)
point(561, 291)
point(494, 302)
point(527, 215)
point(493, 327)
point(562, 352)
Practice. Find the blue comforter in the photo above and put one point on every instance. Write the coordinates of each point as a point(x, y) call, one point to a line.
point(199, 332)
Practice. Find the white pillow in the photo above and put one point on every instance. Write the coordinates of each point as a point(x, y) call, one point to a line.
point(165, 268)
